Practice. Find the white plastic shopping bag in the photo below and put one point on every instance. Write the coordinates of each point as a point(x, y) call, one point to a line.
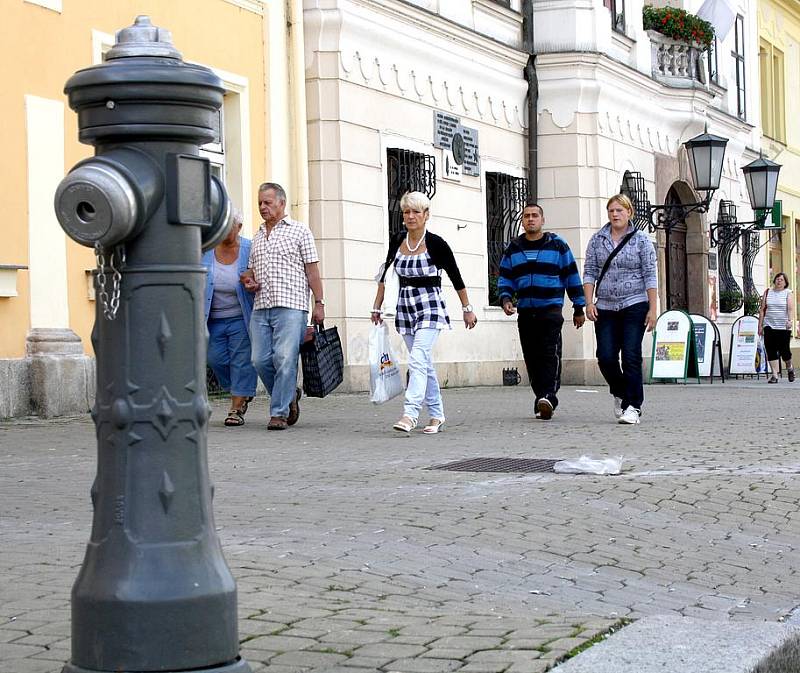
point(384, 374)
point(588, 465)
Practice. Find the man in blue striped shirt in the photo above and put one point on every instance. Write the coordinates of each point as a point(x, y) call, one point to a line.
point(538, 267)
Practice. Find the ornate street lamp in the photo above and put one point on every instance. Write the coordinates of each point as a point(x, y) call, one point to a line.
point(761, 178)
point(706, 154)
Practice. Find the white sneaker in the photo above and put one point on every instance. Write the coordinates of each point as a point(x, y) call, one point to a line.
point(630, 416)
point(617, 407)
point(544, 407)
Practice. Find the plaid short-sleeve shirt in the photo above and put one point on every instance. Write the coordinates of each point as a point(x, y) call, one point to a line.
point(278, 263)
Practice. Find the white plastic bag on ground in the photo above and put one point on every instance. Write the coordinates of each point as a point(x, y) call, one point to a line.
point(587, 465)
point(385, 381)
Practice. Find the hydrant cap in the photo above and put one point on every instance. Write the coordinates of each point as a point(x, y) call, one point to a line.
point(143, 39)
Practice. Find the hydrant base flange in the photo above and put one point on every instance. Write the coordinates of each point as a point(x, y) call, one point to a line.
point(240, 666)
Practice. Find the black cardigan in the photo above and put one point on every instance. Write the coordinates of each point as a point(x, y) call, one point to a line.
point(440, 252)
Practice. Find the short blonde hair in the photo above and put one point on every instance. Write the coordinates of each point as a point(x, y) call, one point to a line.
point(622, 200)
point(415, 201)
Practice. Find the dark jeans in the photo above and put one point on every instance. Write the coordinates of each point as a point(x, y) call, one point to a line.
point(540, 336)
point(621, 332)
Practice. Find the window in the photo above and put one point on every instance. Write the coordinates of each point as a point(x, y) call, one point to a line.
point(505, 201)
point(713, 62)
point(407, 171)
point(214, 151)
point(773, 117)
point(738, 60)
point(617, 9)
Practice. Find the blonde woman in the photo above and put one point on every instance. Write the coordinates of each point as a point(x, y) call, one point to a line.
point(626, 296)
point(419, 257)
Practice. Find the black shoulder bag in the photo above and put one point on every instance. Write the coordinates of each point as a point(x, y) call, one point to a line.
point(613, 254)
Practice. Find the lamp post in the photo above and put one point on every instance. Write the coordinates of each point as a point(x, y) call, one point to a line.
point(706, 154)
point(761, 179)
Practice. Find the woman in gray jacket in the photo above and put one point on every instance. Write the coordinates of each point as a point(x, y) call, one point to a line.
point(626, 304)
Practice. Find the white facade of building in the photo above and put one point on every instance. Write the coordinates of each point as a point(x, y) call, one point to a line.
point(378, 70)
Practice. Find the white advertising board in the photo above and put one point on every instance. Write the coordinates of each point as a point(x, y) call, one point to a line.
point(671, 346)
point(744, 345)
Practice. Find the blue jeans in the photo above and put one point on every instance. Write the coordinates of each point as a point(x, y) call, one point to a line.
point(423, 386)
point(621, 332)
point(275, 334)
point(229, 356)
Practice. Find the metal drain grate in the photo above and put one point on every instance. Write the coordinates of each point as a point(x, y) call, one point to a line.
point(499, 465)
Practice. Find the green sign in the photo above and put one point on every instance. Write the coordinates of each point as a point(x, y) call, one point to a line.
point(775, 221)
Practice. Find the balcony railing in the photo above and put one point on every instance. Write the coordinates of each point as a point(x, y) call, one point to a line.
point(675, 63)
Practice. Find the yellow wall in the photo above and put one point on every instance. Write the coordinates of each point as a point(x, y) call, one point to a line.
point(779, 25)
point(41, 49)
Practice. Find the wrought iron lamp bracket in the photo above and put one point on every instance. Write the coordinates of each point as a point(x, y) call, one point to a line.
point(670, 215)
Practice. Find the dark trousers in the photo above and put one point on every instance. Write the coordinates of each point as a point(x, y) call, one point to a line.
point(776, 343)
point(619, 333)
point(540, 336)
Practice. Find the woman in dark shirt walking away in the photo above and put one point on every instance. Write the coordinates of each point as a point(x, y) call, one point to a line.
point(419, 256)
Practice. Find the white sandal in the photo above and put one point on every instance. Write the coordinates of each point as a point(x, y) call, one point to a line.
point(405, 424)
point(434, 425)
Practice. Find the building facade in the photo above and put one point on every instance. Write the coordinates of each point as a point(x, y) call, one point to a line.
point(47, 302)
point(390, 84)
point(779, 70)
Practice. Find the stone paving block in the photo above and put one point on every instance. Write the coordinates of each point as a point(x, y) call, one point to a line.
point(390, 650)
point(421, 665)
point(307, 659)
point(280, 643)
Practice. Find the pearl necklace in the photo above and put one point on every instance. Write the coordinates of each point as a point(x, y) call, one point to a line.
point(419, 243)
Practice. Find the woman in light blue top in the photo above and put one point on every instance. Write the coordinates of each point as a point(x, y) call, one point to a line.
point(626, 304)
point(228, 307)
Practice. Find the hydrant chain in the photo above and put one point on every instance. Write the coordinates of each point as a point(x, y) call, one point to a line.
point(109, 305)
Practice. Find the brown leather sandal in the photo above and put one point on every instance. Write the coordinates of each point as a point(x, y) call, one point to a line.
point(234, 419)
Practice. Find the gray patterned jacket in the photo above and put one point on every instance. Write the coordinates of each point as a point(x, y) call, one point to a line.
point(632, 272)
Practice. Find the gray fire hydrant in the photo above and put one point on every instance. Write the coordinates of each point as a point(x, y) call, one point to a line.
point(154, 592)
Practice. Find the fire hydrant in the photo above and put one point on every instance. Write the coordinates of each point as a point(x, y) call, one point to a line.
point(154, 592)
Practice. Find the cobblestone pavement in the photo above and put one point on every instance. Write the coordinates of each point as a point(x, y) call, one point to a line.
point(351, 556)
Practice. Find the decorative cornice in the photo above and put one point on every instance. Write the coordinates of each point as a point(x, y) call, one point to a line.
point(628, 106)
point(431, 89)
point(254, 6)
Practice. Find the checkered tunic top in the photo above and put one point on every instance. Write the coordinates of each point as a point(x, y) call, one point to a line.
point(278, 263)
point(419, 307)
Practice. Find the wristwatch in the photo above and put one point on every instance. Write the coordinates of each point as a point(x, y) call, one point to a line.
point(319, 301)
point(467, 308)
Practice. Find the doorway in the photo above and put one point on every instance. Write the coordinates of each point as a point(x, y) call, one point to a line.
point(677, 271)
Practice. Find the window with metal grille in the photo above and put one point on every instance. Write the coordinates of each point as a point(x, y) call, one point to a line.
point(617, 9)
point(407, 171)
point(738, 59)
point(505, 201)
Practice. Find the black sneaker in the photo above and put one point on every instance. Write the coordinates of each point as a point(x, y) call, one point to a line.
point(294, 408)
point(790, 375)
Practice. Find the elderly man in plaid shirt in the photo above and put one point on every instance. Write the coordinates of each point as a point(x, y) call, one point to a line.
point(283, 266)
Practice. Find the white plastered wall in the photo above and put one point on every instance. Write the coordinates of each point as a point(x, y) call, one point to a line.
point(47, 242)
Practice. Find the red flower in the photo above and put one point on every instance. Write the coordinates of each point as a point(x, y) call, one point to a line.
point(664, 21)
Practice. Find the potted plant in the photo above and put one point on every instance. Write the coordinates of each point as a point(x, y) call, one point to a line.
point(679, 25)
point(730, 301)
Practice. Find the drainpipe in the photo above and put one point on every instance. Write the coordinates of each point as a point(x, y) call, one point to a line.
point(298, 120)
point(533, 100)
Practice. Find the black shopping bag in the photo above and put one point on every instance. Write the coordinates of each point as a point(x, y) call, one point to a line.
point(323, 362)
